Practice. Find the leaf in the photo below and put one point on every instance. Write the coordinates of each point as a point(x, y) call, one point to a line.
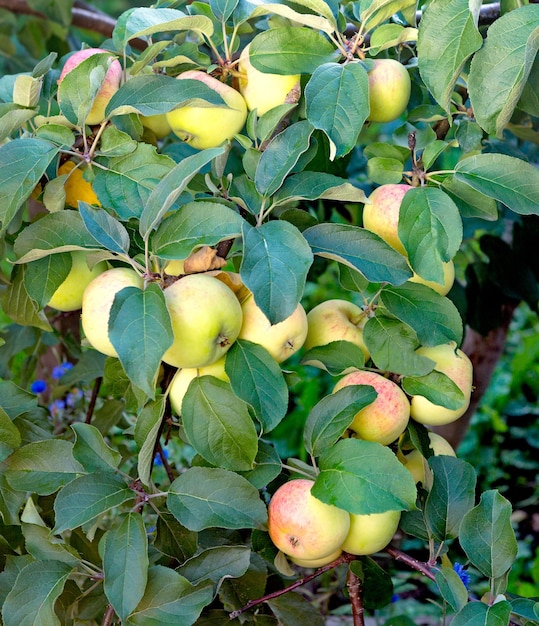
point(317, 185)
point(336, 357)
point(435, 387)
point(105, 229)
point(91, 450)
point(223, 9)
point(147, 431)
point(293, 609)
point(315, 22)
point(173, 539)
point(471, 203)
point(216, 563)
point(363, 477)
point(512, 181)
point(125, 564)
point(10, 437)
point(499, 71)
point(479, 614)
point(267, 466)
point(376, 583)
point(337, 102)
point(210, 497)
point(447, 36)
point(452, 588)
point(378, 11)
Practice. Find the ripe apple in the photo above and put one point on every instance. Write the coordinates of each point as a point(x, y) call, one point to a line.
point(302, 526)
point(415, 462)
point(314, 563)
point(76, 186)
point(158, 124)
point(336, 320)
point(209, 126)
point(389, 90)
point(110, 85)
point(384, 419)
point(97, 301)
point(263, 91)
point(206, 319)
point(281, 340)
point(68, 296)
point(452, 362)
point(442, 289)
point(371, 533)
point(381, 216)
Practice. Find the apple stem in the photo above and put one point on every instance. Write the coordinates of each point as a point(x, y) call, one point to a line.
point(355, 589)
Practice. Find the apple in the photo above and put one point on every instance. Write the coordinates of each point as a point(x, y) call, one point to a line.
point(315, 563)
point(415, 462)
point(381, 216)
point(303, 527)
point(158, 124)
point(281, 340)
point(389, 90)
point(68, 296)
point(336, 320)
point(441, 288)
point(452, 362)
point(209, 126)
point(76, 186)
point(110, 85)
point(371, 533)
point(384, 419)
point(206, 319)
point(97, 301)
point(263, 91)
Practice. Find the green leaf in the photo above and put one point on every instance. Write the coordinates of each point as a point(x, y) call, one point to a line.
point(218, 425)
point(378, 11)
point(447, 37)
point(499, 71)
point(376, 583)
point(173, 539)
point(267, 466)
point(336, 357)
point(487, 537)
point(257, 379)
point(105, 229)
point(210, 497)
point(363, 477)
point(317, 185)
point(451, 587)
point(512, 181)
point(19, 306)
point(223, 9)
point(147, 431)
point(337, 102)
point(216, 563)
point(91, 450)
point(359, 249)
point(479, 614)
point(275, 263)
point(10, 437)
point(384, 170)
point(436, 387)
point(326, 24)
point(471, 203)
point(125, 564)
point(293, 609)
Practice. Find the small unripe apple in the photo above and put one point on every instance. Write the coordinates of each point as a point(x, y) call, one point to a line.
point(441, 288)
point(384, 419)
point(389, 90)
point(76, 186)
point(415, 462)
point(183, 377)
point(371, 533)
point(209, 126)
point(109, 87)
point(302, 526)
point(457, 366)
point(263, 91)
point(68, 296)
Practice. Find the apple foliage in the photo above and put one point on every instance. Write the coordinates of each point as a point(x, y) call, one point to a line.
point(96, 524)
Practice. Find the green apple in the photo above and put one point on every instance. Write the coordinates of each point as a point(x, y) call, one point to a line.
point(384, 419)
point(109, 87)
point(68, 296)
point(452, 362)
point(97, 301)
point(263, 91)
point(416, 463)
point(389, 90)
point(209, 126)
point(302, 526)
point(441, 288)
point(206, 319)
point(336, 320)
point(183, 377)
point(315, 563)
point(371, 533)
point(158, 124)
point(281, 340)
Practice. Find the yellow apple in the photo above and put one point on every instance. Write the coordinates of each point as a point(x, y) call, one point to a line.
point(76, 186)
point(110, 85)
point(452, 362)
point(389, 90)
point(415, 462)
point(263, 91)
point(97, 301)
point(302, 526)
point(336, 320)
point(384, 419)
point(68, 296)
point(209, 126)
point(441, 288)
point(371, 533)
point(183, 377)
point(206, 319)
point(315, 563)
point(158, 124)
point(281, 340)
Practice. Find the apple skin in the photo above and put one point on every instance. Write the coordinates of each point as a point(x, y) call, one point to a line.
point(457, 366)
point(97, 301)
point(206, 319)
point(76, 187)
point(442, 289)
point(371, 533)
point(315, 563)
point(110, 85)
point(389, 90)
point(381, 216)
point(302, 526)
point(183, 377)
point(68, 296)
point(384, 419)
point(263, 91)
point(415, 462)
point(209, 126)
point(158, 124)
point(336, 320)
point(281, 340)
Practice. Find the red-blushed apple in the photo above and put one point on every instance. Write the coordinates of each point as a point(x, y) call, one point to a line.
point(416, 463)
point(441, 288)
point(371, 533)
point(389, 90)
point(303, 527)
point(384, 419)
point(452, 362)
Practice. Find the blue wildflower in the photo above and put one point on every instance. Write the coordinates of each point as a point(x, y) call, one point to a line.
point(463, 574)
point(72, 397)
point(56, 407)
point(38, 386)
point(60, 370)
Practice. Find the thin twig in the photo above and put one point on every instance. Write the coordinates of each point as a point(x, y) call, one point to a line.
point(108, 617)
point(93, 400)
point(355, 591)
point(419, 566)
